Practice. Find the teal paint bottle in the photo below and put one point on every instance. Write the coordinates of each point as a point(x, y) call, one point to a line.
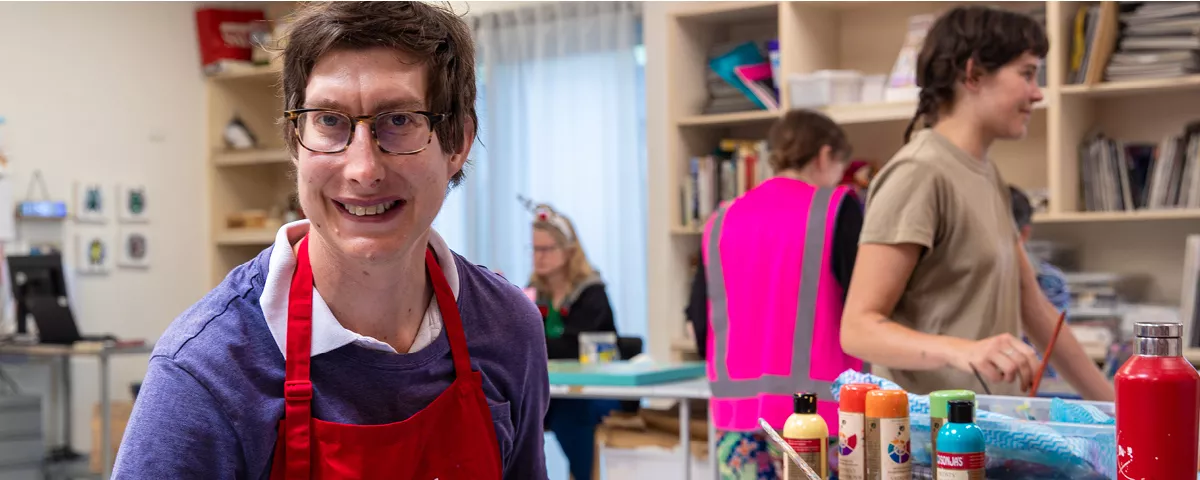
point(939, 413)
point(960, 445)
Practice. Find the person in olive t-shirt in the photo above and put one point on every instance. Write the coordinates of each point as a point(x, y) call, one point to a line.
point(941, 287)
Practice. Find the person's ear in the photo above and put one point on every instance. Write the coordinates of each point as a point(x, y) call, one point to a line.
point(825, 157)
point(972, 75)
point(459, 159)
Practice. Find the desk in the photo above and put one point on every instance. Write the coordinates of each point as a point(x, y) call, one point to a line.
point(682, 390)
point(63, 354)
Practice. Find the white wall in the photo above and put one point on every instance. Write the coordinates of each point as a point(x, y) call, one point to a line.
point(111, 92)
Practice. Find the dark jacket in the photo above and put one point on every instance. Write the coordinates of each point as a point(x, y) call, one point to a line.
point(586, 309)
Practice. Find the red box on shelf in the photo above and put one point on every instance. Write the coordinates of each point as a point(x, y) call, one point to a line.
point(225, 34)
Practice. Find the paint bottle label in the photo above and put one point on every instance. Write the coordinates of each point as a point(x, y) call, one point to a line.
point(809, 450)
point(850, 446)
point(935, 424)
point(960, 466)
point(888, 449)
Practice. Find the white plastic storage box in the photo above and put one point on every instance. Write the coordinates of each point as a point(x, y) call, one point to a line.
point(825, 87)
point(873, 88)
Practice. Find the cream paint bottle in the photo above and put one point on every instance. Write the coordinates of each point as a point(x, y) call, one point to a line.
point(807, 434)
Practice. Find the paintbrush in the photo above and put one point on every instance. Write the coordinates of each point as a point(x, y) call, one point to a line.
point(787, 449)
point(1037, 379)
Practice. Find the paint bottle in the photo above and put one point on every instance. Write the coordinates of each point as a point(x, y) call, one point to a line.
point(806, 432)
point(889, 446)
point(852, 407)
point(939, 413)
point(960, 452)
point(1158, 406)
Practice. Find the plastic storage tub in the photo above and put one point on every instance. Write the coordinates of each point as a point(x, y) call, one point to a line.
point(825, 87)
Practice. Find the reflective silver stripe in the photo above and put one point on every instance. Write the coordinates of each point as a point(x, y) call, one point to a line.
point(810, 277)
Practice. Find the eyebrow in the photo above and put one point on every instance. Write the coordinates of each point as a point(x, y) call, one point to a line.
point(383, 106)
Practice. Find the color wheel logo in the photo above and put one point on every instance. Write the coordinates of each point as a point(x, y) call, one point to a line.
point(846, 445)
point(898, 451)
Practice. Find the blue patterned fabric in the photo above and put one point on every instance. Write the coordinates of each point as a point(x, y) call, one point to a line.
point(1011, 441)
point(1053, 284)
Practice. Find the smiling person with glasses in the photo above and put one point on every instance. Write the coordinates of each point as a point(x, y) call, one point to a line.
point(358, 345)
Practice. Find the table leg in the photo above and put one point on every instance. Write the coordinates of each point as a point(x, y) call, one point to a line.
point(712, 445)
point(685, 436)
point(105, 420)
point(65, 381)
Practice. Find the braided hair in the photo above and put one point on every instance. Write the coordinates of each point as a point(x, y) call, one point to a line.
point(989, 36)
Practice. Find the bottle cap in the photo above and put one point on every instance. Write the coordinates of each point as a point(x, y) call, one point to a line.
point(887, 404)
point(804, 403)
point(853, 397)
point(961, 411)
point(938, 399)
point(1158, 330)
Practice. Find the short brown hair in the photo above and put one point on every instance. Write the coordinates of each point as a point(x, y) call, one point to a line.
point(991, 36)
point(797, 138)
point(432, 33)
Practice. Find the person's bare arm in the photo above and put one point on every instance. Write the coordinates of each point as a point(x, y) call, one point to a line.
point(1040, 318)
point(880, 274)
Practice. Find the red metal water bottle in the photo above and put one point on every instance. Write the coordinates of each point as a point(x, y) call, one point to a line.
point(1158, 407)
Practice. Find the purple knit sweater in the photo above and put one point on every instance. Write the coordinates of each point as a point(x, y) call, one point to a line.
point(213, 396)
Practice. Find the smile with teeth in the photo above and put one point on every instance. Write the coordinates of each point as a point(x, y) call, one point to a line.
point(368, 210)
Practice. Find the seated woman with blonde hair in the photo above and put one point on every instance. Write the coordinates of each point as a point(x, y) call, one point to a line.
point(573, 300)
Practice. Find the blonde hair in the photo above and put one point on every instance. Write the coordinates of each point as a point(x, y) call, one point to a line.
point(578, 267)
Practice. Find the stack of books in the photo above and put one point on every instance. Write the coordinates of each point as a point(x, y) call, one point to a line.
point(732, 169)
point(1158, 40)
point(740, 78)
point(1128, 176)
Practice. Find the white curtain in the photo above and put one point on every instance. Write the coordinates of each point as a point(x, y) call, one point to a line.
point(562, 121)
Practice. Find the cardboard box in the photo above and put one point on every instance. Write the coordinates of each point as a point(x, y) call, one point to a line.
point(120, 409)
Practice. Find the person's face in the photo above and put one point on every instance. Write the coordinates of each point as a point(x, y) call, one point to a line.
point(548, 255)
point(1006, 97)
point(830, 167)
point(364, 202)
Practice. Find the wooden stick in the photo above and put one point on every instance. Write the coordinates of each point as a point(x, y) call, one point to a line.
point(1037, 379)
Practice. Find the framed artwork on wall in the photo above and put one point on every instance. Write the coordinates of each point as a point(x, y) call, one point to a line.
point(90, 205)
point(93, 252)
point(134, 248)
point(131, 203)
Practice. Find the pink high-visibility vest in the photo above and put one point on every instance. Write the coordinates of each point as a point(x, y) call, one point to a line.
point(775, 307)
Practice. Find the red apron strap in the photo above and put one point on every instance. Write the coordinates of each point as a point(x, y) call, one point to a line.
point(451, 320)
point(297, 389)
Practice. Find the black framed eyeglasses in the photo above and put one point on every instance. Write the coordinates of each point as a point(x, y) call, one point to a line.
point(324, 130)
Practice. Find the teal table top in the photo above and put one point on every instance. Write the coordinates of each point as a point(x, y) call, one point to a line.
point(622, 373)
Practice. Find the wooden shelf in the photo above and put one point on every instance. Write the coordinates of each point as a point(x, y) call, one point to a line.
point(730, 119)
point(246, 237)
point(728, 12)
point(1133, 87)
point(256, 156)
point(248, 72)
point(682, 230)
point(1139, 215)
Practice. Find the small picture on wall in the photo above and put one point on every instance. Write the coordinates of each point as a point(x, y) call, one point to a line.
point(93, 253)
point(133, 249)
point(132, 203)
point(91, 206)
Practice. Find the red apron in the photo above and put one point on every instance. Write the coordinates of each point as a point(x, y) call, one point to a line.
point(452, 438)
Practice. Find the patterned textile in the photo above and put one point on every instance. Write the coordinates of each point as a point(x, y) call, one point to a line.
point(1053, 284)
point(748, 456)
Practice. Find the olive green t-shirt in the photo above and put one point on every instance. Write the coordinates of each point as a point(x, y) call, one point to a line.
point(966, 282)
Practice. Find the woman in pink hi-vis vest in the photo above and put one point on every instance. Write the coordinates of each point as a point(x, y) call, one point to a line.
point(768, 299)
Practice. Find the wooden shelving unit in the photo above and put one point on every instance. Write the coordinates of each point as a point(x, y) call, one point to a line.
point(867, 36)
point(253, 179)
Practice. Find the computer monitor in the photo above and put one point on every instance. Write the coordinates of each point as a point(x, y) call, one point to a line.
point(34, 275)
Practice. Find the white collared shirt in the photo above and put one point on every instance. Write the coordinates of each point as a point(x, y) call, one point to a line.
point(327, 333)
